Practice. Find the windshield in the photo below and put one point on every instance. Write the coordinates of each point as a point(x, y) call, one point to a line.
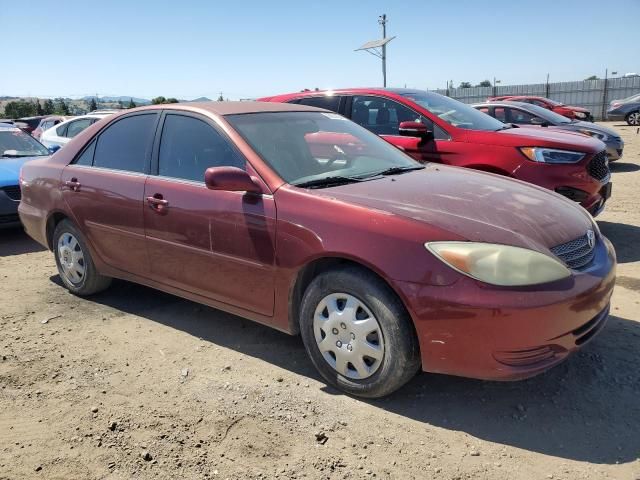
point(16, 143)
point(546, 114)
point(455, 113)
point(307, 146)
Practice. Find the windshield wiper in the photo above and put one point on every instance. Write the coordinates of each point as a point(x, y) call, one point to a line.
point(398, 170)
point(327, 182)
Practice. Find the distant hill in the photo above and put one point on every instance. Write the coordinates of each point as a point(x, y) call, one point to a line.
point(200, 99)
point(122, 98)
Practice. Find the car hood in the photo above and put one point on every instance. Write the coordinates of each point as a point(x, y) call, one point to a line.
point(577, 126)
point(10, 169)
point(533, 137)
point(475, 206)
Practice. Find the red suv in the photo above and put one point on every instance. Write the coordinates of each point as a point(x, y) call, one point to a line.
point(577, 113)
point(431, 127)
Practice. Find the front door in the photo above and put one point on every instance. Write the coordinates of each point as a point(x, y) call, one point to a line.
point(104, 188)
point(383, 116)
point(217, 244)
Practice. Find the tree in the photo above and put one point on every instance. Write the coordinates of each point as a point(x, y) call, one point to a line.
point(160, 100)
point(592, 77)
point(48, 108)
point(39, 109)
point(19, 109)
point(221, 98)
point(93, 105)
point(484, 83)
point(131, 103)
point(61, 107)
point(464, 85)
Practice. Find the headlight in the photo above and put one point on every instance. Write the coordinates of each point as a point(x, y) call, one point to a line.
point(580, 115)
point(549, 155)
point(502, 265)
point(591, 133)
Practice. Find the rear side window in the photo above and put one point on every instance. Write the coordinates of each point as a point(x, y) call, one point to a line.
point(126, 144)
point(325, 101)
point(189, 146)
point(86, 158)
point(77, 126)
point(61, 131)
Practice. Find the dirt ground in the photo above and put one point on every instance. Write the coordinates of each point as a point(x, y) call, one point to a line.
point(134, 383)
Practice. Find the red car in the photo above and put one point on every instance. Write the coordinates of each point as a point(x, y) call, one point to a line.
point(299, 219)
point(577, 113)
point(431, 127)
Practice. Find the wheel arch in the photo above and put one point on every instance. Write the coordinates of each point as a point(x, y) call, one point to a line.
point(313, 268)
point(53, 220)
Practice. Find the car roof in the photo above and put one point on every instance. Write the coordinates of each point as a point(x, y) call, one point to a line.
point(504, 103)
point(232, 108)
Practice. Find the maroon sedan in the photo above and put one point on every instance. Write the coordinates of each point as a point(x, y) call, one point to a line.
point(299, 219)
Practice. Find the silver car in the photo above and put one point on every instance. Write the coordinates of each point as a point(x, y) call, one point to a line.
point(525, 114)
point(627, 109)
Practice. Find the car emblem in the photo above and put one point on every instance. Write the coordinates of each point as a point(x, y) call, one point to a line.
point(591, 238)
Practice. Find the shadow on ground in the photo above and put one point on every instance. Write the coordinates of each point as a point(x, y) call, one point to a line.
point(625, 239)
point(14, 241)
point(622, 167)
point(585, 409)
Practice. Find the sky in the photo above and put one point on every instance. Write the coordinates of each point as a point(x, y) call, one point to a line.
point(246, 49)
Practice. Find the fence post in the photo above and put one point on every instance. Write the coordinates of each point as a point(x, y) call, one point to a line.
point(604, 96)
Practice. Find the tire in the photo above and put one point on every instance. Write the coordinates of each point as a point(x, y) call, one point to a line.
point(369, 319)
point(633, 119)
point(74, 262)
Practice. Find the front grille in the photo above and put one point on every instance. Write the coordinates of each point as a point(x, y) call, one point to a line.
point(576, 253)
point(599, 166)
point(13, 192)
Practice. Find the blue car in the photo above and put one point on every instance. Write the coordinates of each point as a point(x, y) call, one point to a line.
point(16, 148)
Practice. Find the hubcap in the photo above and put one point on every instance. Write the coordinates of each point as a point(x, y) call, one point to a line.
point(71, 258)
point(634, 118)
point(348, 336)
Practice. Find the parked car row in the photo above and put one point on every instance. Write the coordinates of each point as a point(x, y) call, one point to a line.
point(298, 218)
point(560, 108)
point(524, 114)
point(64, 131)
point(432, 127)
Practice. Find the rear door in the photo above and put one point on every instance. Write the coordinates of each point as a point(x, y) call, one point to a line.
point(217, 244)
point(104, 188)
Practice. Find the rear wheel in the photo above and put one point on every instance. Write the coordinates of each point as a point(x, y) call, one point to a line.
point(74, 262)
point(634, 118)
point(357, 333)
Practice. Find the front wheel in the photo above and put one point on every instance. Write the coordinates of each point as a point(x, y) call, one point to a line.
point(74, 262)
point(357, 333)
point(633, 119)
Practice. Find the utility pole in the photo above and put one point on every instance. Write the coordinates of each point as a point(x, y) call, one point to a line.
point(383, 21)
point(378, 48)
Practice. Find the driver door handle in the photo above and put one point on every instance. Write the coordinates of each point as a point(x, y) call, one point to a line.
point(73, 184)
point(157, 203)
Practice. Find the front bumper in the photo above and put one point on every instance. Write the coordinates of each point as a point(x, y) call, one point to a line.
point(476, 330)
point(616, 116)
point(8, 211)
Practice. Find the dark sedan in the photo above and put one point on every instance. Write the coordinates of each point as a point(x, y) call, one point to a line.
point(520, 113)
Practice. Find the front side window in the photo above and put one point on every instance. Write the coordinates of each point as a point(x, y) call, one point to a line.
point(306, 146)
point(500, 114)
point(61, 131)
point(77, 126)
point(16, 143)
point(189, 146)
point(520, 117)
point(454, 112)
point(328, 102)
point(126, 144)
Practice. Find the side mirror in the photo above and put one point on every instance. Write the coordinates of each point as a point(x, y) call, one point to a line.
point(231, 179)
point(54, 148)
point(414, 129)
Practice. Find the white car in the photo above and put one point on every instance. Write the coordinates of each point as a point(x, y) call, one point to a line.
point(62, 133)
